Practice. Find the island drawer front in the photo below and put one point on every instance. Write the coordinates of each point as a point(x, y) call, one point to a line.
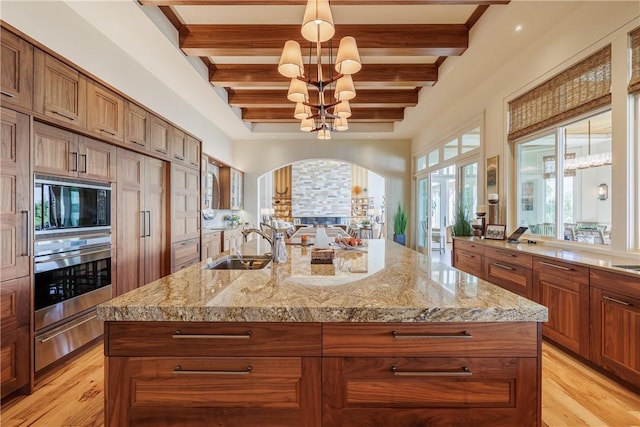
point(510, 257)
point(419, 391)
point(230, 391)
point(515, 339)
point(616, 282)
point(469, 246)
point(571, 276)
point(212, 339)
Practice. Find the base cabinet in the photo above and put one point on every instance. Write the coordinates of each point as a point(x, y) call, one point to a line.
point(329, 375)
point(615, 319)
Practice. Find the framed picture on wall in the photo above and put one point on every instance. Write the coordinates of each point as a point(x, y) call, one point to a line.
point(495, 231)
point(492, 175)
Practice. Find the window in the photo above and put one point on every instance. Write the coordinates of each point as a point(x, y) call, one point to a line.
point(421, 163)
point(584, 211)
point(433, 158)
point(450, 149)
point(470, 140)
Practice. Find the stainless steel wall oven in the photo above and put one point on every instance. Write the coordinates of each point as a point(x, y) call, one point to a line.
point(72, 264)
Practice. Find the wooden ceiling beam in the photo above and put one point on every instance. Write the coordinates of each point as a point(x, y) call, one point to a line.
point(367, 98)
point(285, 115)
point(381, 40)
point(304, 2)
point(371, 75)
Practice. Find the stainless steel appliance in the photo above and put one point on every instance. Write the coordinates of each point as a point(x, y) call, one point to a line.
point(71, 276)
point(70, 206)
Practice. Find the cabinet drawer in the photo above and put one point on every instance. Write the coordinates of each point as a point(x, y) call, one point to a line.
point(561, 272)
point(469, 262)
point(212, 339)
point(511, 257)
point(185, 252)
point(14, 303)
point(401, 339)
point(469, 246)
point(511, 277)
point(621, 283)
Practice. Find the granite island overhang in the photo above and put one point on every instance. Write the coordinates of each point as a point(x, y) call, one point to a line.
point(383, 336)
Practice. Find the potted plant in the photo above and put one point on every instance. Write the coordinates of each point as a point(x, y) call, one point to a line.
point(400, 226)
point(462, 223)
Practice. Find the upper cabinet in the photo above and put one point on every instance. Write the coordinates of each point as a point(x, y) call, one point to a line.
point(193, 151)
point(16, 76)
point(231, 188)
point(60, 92)
point(185, 149)
point(105, 112)
point(136, 126)
point(60, 152)
point(158, 136)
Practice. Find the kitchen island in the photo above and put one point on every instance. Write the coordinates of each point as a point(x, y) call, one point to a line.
point(384, 336)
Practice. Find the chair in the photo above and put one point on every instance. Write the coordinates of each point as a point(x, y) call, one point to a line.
point(569, 232)
point(590, 236)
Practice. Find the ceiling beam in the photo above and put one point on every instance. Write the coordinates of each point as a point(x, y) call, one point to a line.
point(285, 115)
point(304, 2)
point(371, 75)
point(382, 40)
point(367, 98)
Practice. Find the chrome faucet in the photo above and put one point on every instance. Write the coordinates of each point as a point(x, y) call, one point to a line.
point(247, 231)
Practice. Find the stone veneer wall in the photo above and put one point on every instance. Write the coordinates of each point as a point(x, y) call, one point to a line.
point(321, 188)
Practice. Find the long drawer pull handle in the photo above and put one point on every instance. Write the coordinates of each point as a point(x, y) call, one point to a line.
point(504, 267)
point(75, 161)
point(617, 301)
point(463, 372)
point(506, 254)
point(10, 95)
point(244, 336)
point(84, 156)
point(63, 114)
point(110, 132)
point(559, 267)
point(467, 255)
point(463, 335)
point(148, 225)
point(179, 370)
point(27, 232)
point(67, 329)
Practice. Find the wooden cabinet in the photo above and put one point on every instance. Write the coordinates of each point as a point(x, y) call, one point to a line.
point(468, 256)
point(60, 92)
point(16, 76)
point(14, 342)
point(15, 202)
point(178, 145)
point(510, 270)
point(185, 205)
point(231, 188)
point(142, 251)
point(158, 136)
point(136, 126)
point(184, 254)
point(446, 374)
point(564, 289)
point(615, 324)
point(177, 373)
point(211, 244)
point(60, 152)
point(193, 151)
point(232, 239)
point(105, 112)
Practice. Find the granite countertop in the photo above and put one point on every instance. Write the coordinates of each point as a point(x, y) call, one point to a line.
point(383, 282)
point(578, 256)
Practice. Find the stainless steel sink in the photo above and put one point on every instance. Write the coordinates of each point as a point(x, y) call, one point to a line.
point(628, 267)
point(234, 262)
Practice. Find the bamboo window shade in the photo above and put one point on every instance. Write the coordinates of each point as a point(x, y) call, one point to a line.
point(634, 84)
point(581, 88)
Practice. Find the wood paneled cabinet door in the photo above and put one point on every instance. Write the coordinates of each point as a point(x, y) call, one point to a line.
point(105, 112)
point(136, 126)
point(185, 193)
point(60, 92)
point(615, 324)
point(178, 145)
point(158, 136)
point(96, 160)
point(141, 218)
point(15, 207)
point(193, 151)
point(564, 289)
point(14, 337)
point(231, 188)
point(16, 77)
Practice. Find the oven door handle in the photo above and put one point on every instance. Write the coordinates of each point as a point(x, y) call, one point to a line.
point(85, 256)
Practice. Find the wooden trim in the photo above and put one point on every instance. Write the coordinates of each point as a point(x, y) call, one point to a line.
point(303, 2)
point(285, 115)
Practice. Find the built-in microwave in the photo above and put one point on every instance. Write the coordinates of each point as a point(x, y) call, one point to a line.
point(70, 205)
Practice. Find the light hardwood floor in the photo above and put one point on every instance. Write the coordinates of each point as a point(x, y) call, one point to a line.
point(572, 396)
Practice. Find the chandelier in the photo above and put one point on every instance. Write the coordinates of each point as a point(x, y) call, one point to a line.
point(325, 115)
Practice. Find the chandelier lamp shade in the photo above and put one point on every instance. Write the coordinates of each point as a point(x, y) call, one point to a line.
point(320, 113)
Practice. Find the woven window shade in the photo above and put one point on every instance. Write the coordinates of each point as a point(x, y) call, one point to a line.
point(583, 87)
point(634, 84)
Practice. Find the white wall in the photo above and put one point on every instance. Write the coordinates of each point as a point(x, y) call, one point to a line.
point(555, 35)
point(390, 159)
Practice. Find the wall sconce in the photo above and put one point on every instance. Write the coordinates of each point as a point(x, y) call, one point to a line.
point(603, 191)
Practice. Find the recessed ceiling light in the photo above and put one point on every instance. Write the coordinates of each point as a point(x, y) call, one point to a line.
point(518, 28)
